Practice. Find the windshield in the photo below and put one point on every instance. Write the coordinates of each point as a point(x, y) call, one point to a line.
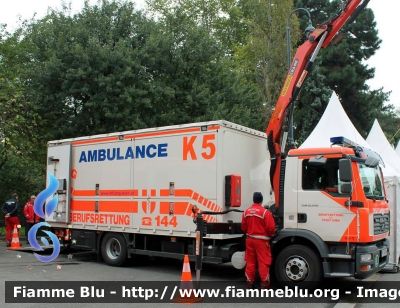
point(372, 182)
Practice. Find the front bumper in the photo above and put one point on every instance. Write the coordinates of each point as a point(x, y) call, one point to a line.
point(380, 257)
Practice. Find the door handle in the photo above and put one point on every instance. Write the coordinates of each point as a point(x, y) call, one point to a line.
point(301, 217)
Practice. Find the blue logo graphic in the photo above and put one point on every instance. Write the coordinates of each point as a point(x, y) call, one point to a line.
point(38, 209)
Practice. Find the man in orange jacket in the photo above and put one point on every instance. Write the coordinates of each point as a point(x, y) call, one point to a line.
point(259, 226)
point(31, 217)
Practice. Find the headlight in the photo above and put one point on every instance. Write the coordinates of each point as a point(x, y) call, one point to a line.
point(366, 257)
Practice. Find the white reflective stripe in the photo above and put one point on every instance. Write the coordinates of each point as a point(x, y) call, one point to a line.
point(248, 279)
point(186, 268)
point(262, 217)
point(261, 237)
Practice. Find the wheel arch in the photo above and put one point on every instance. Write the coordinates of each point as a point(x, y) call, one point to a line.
point(307, 238)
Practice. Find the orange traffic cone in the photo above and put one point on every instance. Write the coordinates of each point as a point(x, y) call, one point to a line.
point(15, 239)
point(186, 284)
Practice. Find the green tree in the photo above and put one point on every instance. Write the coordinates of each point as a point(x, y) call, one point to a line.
point(234, 94)
point(86, 73)
point(252, 35)
point(265, 49)
point(340, 68)
point(110, 68)
point(20, 144)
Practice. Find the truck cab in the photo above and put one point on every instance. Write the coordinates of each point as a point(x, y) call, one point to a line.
point(333, 208)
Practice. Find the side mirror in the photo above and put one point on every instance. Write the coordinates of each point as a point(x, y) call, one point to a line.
point(346, 188)
point(345, 172)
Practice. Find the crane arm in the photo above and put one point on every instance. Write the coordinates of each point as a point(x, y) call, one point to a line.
point(297, 74)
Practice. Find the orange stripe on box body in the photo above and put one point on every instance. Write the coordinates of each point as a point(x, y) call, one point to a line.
point(164, 208)
point(178, 208)
point(84, 206)
point(183, 192)
point(75, 143)
point(163, 133)
point(118, 192)
point(106, 192)
point(105, 206)
point(189, 210)
point(84, 193)
point(169, 132)
point(118, 206)
point(145, 135)
point(164, 192)
point(153, 192)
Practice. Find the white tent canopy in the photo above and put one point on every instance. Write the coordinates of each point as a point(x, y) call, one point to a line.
point(378, 140)
point(333, 123)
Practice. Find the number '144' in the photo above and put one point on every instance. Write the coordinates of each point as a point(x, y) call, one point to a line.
point(164, 221)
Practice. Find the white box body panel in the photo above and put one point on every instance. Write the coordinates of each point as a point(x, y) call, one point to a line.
point(59, 165)
point(147, 181)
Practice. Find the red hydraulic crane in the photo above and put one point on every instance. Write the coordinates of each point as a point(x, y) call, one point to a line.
point(302, 63)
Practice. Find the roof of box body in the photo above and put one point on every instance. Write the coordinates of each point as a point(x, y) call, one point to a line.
point(211, 125)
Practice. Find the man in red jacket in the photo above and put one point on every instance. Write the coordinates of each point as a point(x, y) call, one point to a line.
point(31, 217)
point(259, 226)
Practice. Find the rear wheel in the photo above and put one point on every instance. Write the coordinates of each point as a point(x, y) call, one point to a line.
point(114, 249)
point(298, 265)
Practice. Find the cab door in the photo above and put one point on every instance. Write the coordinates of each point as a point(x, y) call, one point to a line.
point(321, 205)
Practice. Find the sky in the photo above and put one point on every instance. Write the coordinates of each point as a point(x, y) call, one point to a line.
point(384, 61)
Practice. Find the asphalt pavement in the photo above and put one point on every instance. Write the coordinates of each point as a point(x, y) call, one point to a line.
point(22, 265)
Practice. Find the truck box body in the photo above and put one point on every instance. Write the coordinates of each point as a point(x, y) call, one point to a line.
point(140, 192)
point(147, 181)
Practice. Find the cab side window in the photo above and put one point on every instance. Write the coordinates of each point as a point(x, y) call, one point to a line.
point(321, 177)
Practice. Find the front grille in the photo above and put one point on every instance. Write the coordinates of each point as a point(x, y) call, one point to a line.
point(381, 223)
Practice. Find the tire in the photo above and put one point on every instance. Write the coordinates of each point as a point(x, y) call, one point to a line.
point(299, 266)
point(114, 249)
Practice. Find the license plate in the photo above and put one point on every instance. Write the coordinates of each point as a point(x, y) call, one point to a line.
point(384, 252)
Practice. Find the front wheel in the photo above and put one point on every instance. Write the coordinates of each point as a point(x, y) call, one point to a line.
point(298, 265)
point(114, 249)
